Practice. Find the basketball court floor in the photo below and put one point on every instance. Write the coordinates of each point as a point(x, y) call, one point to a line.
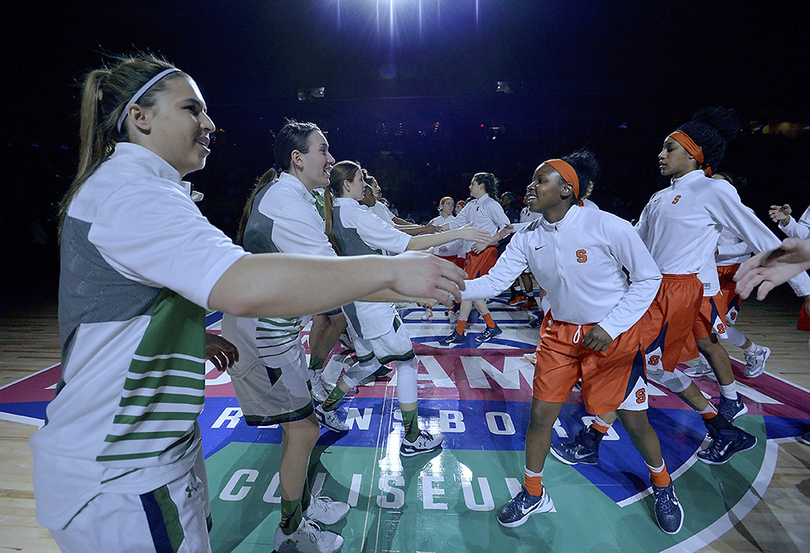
point(478, 395)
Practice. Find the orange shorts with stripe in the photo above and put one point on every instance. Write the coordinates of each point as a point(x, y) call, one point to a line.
point(610, 379)
point(479, 264)
point(712, 317)
point(731, 298)
point(677, 304)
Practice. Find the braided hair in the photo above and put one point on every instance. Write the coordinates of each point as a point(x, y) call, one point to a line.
point(712, 129)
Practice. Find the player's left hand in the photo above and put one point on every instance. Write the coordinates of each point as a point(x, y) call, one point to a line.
point(220, 351)
point(597, 339)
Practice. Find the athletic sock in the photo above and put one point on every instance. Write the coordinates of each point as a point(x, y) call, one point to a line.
point(533, 481)
point(751, 349)
point(729, 391)
point(460, 326)
point(334, 398)
point(601, 427)
point(711, 418)
point(659, 476)
point(291, 515)
point(315, 363)
point(488, 319)
point(411, 423)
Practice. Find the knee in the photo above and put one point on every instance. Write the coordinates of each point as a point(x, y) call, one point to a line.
point(635, 422)
point(307, 433)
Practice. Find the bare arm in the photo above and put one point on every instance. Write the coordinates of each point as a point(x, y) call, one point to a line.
point(286, 285)
point(467, 232)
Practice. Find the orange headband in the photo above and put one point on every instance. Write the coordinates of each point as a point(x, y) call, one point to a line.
point(443, 199)
point(567, 173)
point(690, 146)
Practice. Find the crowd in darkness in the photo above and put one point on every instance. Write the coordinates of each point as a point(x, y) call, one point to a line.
point(419, 150)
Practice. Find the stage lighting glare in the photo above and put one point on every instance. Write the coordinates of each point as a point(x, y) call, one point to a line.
point(505, 87)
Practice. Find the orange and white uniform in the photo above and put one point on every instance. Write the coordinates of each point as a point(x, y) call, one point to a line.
point(486, 214)
point(681, 225)
point(580, 262)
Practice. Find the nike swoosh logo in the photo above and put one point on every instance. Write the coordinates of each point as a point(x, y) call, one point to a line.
point(524, 510)
point(539, 247)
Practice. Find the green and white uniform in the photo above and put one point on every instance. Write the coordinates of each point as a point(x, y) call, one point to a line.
point(138, 261)
point(270, 378)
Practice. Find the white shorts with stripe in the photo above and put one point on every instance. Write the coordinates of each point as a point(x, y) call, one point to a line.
point(269, 395)
point(394, 345)
point(174, 518)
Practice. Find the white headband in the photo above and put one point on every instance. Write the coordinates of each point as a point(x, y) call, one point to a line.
point(141, 91)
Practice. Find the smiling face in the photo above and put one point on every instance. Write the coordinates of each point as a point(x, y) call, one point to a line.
point(674, 160)
point(548, 193)
point(176, 127)
point(312, 168)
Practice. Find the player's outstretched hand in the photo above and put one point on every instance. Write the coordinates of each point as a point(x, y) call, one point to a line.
point(779, 213)
point(424, 275)
point(771, 268)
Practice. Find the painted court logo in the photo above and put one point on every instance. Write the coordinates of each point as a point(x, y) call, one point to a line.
point(478, 396)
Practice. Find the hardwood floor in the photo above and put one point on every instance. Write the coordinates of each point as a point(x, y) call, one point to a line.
point(29, 342)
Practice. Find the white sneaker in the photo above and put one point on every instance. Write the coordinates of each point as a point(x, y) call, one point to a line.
point(428, 314)
point(698, 367)
point(325, 510)
point(330, 420)
point(452, 316)
point(320, 389)
point(755, 361)
point(530, 357)
point(424, 443)
point(307, 538)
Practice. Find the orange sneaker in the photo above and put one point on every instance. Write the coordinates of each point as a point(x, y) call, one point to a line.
point(518, 300)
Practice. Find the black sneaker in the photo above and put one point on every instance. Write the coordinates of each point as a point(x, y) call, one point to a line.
point(725, 443)
point(731, 409)
point(584, 449)
point(454, 338)
point(517, 511)
point(668, 510)
point(488, 334)
point(536, 322)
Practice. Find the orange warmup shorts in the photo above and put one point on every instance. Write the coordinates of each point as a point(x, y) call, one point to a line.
point(479, 264)
point(611, 379)
point(678, 305)
point(459, 262)
point(732, 299)
point(712, 317)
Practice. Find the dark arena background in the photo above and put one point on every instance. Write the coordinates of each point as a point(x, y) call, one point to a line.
point(424, 93)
